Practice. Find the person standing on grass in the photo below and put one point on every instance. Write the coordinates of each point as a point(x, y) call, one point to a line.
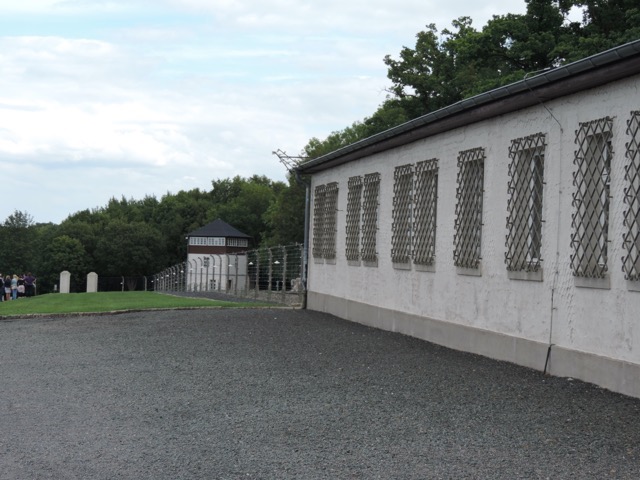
point(29, 284)
point(14, 287)
point(21, 289)
point(1, 288)
point(7, 287)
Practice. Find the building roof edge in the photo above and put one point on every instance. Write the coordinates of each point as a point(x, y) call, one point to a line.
point(554, 83)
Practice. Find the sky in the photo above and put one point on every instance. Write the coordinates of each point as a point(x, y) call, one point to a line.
point(134, 98)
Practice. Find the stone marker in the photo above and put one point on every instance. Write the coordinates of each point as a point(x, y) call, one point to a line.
point(65, 281)
point(92, 282)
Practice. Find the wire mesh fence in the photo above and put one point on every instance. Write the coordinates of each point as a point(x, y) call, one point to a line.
point(124, 284)
point(271, 274)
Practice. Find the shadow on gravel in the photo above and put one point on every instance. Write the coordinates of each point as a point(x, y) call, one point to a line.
point(283, 299)
point(221, 296)
point(288, 394)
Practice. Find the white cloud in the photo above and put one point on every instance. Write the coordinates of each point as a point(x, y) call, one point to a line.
point(27, 5)
point(66, 7)
point(129, 98)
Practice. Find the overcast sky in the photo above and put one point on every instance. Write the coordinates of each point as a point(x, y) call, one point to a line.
point(114, 98)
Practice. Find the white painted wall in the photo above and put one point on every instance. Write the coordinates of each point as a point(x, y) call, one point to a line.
point(601, 323)
point(224, 272)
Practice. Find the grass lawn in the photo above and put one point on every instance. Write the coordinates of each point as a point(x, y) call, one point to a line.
point(106, 302)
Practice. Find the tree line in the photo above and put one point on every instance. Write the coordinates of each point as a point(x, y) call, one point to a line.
point(130, 237)
point(455, 63)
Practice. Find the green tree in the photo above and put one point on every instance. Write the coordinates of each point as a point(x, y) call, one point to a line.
point(16, 236)
point(421, 77)
point(87, 233)
point(391, 113)
point(245, 202)
point(130, 249)
point(447, 66)
point(43, 236)
point(285, 216)
point(605, 24)
point(338, 139)
point(178, 214)
point(63, 253)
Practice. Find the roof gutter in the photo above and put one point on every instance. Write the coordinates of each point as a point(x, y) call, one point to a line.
point(590, 72)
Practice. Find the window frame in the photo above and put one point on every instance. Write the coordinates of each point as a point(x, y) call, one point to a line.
point(370, 209)
point(591, 200)
point(525, 207)
point(467, 253)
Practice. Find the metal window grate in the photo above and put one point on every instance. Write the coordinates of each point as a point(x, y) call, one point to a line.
point(631, 237)
point(525, 188)
point(354, 212)
point(425, 203)
point(401, 226)
point(370, 217)
point(330, 221)
point(590, 221)
point(468, 223)
point(318, 220)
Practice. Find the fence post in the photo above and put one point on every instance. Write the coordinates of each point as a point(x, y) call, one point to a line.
point(174, 278)
point(247, 275)
point(257, 274)
point(219, 286)
point(235, 268)
point(302, 287)
point(192, 275)
point(184, 270)
point(270, 273)
point(206, 262)
point(284, 274)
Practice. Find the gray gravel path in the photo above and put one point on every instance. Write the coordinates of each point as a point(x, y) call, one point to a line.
point(288, 394)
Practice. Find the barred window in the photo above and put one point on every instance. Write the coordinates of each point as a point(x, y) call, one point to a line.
point(216, 241)
point(325, 220)
point(318, 220)
point(354, 213)
point(468, 222)
point(330, 221)
point(207, 241)
point(402, 211)
point(524, 207)
point(631, 237)
point(590, 221)
point(424, 205)
point(238, 242)
point(370, 217)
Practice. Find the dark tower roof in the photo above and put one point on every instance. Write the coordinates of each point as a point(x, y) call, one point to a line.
point(218, 228)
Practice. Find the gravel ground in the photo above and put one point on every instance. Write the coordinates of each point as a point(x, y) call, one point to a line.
point(221, 296)
point(283, 394)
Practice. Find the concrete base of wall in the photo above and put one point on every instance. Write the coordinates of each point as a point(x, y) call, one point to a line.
point(609, 373)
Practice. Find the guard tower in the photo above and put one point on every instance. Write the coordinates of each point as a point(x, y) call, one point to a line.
point(215, 257)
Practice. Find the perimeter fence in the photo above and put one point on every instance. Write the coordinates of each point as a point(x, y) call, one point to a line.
point(271, 274)
point(78, 284)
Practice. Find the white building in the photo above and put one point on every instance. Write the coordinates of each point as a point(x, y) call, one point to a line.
point(507, 224)
point(216, 258)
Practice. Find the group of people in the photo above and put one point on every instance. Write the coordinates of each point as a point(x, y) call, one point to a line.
point(16, 286)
